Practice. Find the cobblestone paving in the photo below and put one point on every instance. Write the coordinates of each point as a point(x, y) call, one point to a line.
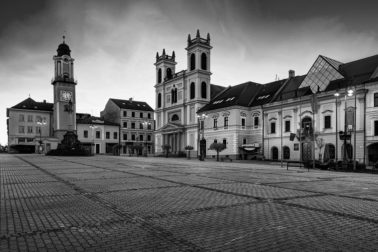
point(108, 203)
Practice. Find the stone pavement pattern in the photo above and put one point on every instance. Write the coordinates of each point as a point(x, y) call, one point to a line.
point(106, 203)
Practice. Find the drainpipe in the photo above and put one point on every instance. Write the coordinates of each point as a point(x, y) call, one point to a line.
point(364, 125)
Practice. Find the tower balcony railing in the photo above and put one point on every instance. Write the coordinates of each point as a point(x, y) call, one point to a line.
point(64, 79)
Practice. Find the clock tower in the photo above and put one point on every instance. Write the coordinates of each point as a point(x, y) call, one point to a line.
point(64, 92)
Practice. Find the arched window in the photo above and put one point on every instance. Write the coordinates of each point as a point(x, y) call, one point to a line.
point(203, 61)
point(274, 153)
point(159, 100)
point(192, 90)
point(192, 61)
point(159, 75)
point(175, 117)
point(174, 94)
point(307, 126)
point(203, 90)
point(286, 152)
point(329, 152)
point(169, 73)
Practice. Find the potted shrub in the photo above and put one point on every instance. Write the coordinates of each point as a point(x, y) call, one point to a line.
point(188, 148)
point(218, 147)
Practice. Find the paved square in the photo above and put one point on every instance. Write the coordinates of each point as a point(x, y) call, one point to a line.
point(108, 203)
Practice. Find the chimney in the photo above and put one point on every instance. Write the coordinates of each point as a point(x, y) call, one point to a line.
point(131, 99)
point(44, 101)
point(291, 73)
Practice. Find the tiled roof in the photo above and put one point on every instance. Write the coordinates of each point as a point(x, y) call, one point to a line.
point(240, 95)
point(88, 119)
point(215, 90)
point(266, 92)
point(131, 104)
point(291, 89)
point(30, 104)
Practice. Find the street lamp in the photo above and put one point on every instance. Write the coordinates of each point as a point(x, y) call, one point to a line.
point(146, 125)
point(93, 127)
point(201, 142)
point(41, 124)
point(344, 135)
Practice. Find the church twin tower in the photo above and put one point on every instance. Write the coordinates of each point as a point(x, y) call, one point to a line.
point(180, 94)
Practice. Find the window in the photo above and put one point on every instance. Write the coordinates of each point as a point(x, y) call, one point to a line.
point(375, 128)
point(327, 122)
point(192, 61)
point(140, 137)
point(243, 123)
point(38, 130)
point(125, 124)
point(192, 90)
point(215, 123)
point(30, 129)
point(133, 137)
point(149, 116)
point(287, 126)
point(148, 137)
point(203, 90)
point(133, 114)
point(159, 100)
point(107, 134)
point(124, 113)
point(159, 75)
point(38, 119)
point(273, 128)
point(141, 115)
point(133, 125)
point(124, 136)
point(98, 134)
point(174, 94)
point(169, 73)
point(140, 125)
point(85, 133)
point(286, 152)
point(30, 118)
point(225, 142)
point(149, 126)
point(256, 121)
point(376, 100)
point(226, 122)
point(244, 140)
point(203, 61)
point(21, 118)
point(215, 141)
point(21, 129)
point(175, 117)
point(115, 135)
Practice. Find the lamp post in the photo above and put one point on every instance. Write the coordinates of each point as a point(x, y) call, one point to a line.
point(146, 125)
point(93, 127)
point(201, 128)
point(41, 124)
point(344, 134)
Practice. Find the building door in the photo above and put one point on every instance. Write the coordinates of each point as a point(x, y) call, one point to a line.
point(274, 153)
point(97, 148)
point(373, 153)
point(306, 151)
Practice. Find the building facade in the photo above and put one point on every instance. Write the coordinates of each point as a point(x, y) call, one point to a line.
point(328, 114)
point(29, 126)
point(136, 120)
point(180, 94)
point(98, 135)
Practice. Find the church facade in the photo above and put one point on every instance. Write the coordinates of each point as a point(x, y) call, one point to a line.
point(180, 94)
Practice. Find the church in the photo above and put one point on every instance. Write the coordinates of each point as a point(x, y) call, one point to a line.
point(180, 94)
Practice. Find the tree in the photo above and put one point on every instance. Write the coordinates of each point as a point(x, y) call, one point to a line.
point(188, 148)
point(218, 147)
point(166, 148)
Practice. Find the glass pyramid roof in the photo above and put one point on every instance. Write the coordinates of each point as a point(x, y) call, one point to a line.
point(321, 73)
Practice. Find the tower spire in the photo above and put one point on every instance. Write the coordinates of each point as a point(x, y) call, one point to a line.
point(198, 33)
point(64, 39)
point(173, 55)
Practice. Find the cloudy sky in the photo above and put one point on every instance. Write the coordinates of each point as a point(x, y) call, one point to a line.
point(114, 43)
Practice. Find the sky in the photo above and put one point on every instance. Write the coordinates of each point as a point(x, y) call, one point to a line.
point(114, 43)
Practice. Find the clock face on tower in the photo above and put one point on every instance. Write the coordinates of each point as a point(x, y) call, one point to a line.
point(65, 95)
